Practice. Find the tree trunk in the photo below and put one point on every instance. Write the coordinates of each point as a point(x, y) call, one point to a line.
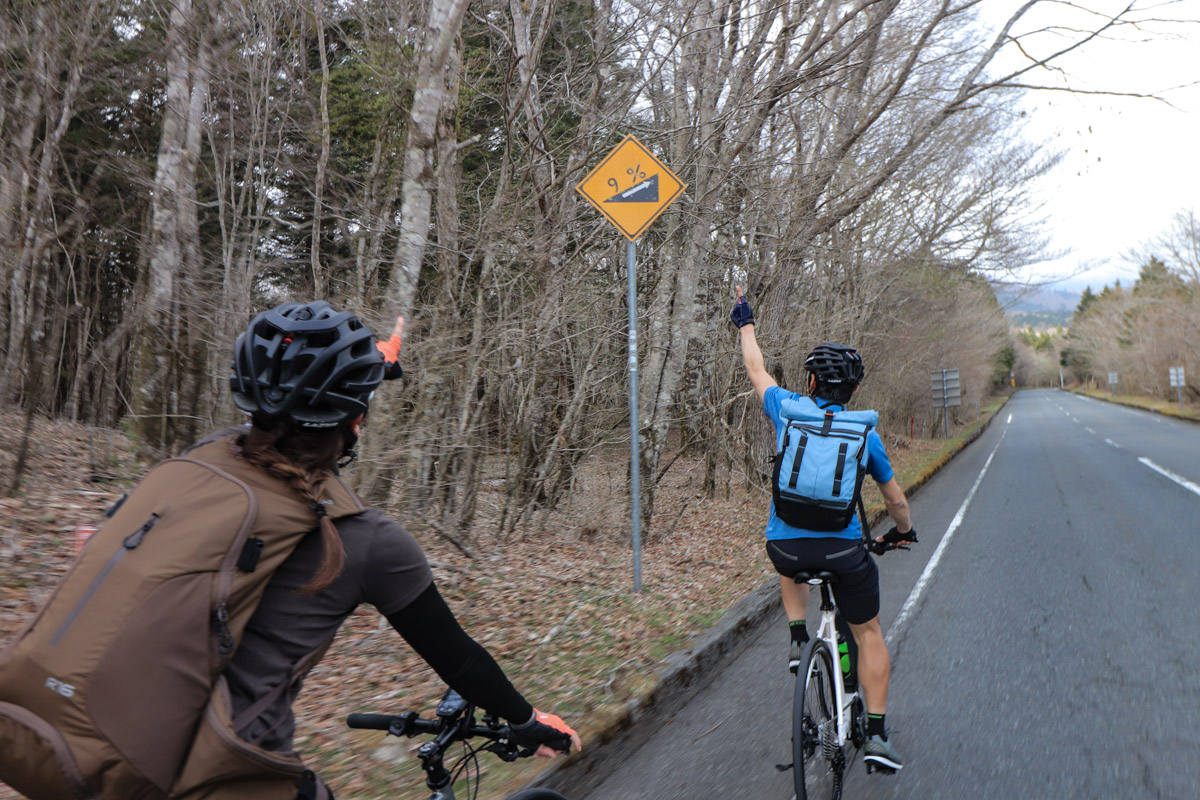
point(320, 287)
point(445, 22)
point(161, 349)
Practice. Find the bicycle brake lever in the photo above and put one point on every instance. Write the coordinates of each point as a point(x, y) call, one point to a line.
point(506, 752)
point(404, 724)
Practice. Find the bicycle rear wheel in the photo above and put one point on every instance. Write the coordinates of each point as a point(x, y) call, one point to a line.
point(537, 794)
point(817, 757)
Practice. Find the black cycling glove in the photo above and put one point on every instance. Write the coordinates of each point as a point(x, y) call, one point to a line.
point(742, 314)
point(546, 729)
point(891, 540)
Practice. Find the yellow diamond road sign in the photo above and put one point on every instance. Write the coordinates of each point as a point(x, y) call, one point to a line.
point(631, 187)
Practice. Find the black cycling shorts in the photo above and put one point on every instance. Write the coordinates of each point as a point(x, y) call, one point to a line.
point(856, 590)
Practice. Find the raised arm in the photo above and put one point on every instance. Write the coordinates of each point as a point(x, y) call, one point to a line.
point(756, 370)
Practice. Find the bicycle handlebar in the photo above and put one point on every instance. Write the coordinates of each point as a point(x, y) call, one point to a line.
point(455, 722)
point(411, 724)
point(893, 540)
point(371, 722)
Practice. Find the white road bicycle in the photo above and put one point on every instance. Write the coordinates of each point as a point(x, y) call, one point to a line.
point(828, 723)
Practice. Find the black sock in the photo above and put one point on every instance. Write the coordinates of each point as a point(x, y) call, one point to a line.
point(798, 631)
point(875, 725)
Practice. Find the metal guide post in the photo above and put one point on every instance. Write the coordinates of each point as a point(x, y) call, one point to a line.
point(635, 466)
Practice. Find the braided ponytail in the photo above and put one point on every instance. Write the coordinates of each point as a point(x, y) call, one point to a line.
point(303, 458)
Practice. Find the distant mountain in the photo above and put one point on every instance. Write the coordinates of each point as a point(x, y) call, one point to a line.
point(1041, 308)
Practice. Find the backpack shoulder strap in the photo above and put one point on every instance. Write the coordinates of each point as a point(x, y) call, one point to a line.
point(862, 515)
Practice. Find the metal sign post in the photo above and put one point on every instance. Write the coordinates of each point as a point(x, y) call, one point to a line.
point(631, 187)
point(1112, 383)
point(946, 392)
point(1176, 374)
point(635, 483)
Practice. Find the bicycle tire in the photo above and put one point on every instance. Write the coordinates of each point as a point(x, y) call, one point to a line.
point(817, 757)
point(537, 794)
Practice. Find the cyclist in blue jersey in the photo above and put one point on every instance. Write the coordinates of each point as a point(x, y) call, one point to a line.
point(834, 373)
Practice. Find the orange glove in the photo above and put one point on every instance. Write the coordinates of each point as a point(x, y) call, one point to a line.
point(547, 733)
point(391, 351)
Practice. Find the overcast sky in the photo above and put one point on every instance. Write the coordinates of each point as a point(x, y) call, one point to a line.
point(1130, 163)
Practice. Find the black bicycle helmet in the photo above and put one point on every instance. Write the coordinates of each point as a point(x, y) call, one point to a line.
point(835, 364)
point(305, 362)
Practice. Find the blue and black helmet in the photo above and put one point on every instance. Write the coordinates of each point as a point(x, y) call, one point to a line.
point(305, 362)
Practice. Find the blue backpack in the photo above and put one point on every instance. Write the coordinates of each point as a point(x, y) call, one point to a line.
point(820, 464)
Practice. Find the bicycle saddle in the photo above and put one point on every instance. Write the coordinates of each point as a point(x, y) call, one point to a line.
point(814, 576)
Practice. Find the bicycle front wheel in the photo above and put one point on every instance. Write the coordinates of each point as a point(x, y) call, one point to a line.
point(817, 758)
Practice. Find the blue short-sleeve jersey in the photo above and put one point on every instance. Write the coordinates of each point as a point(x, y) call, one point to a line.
point(878, 467)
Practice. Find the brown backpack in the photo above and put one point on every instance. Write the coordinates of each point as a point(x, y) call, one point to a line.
point(115, 688)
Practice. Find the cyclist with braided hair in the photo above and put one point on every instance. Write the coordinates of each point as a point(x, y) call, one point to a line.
point(834, 373)
point(305, 374)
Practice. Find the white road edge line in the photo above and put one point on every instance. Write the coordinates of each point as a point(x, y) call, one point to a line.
point(1166, 473)
point(915, 594)
point(1089, 430)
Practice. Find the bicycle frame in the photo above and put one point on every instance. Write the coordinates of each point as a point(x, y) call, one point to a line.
point(827, 630)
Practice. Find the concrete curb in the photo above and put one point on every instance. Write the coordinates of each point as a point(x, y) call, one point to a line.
point(687, 672)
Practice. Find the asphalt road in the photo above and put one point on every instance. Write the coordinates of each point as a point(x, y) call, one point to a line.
point(1052, 651)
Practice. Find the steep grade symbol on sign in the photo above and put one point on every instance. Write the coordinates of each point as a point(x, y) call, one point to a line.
point(644, 192)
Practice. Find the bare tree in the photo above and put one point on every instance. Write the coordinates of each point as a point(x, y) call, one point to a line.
point(166, 373)
point(1181, 244)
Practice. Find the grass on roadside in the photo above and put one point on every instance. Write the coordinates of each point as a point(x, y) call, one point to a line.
point(1169, 408)
point(916, 460)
